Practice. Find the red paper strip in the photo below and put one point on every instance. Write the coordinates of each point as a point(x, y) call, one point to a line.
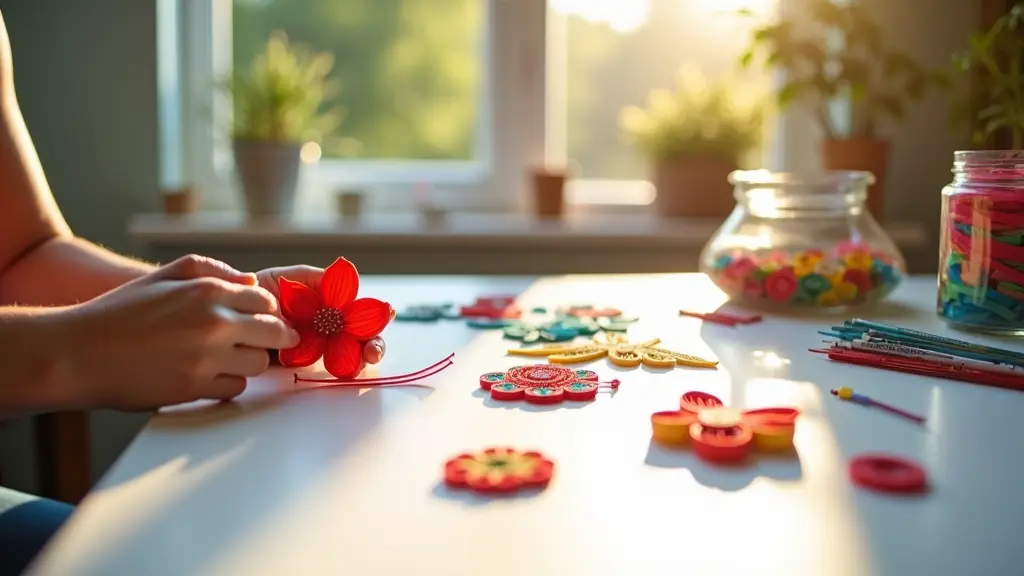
point(923, 368)
point(386, 380)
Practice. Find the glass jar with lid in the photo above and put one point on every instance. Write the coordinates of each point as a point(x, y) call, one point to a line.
point(802, 241)
point(981, 247)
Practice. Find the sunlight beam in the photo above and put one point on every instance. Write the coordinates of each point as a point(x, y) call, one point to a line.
point(621, 16)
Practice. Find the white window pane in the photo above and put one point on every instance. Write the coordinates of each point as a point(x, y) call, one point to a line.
point(613, 53)
point(410, 70)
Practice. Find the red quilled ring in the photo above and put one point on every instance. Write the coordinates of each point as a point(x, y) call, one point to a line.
point(490, 379)
point(721, 446)
point(588, 375)
point(697, 401)
point(580, 391)
point(888, 474)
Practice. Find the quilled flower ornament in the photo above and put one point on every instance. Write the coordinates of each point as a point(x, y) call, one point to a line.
point(335, 325)
point(499, 470)
point(724, 435)
point(619, 352)
point(544, 384)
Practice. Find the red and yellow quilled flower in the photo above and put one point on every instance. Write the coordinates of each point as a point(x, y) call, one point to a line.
point(332, 323)
point(724, 435)
point(499, 470)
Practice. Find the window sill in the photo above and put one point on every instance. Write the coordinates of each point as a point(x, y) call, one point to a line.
point(452, 230)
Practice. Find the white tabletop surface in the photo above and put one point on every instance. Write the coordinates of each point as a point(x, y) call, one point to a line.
point(347, 482)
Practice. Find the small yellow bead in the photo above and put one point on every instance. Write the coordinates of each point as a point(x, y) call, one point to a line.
point(846, 392)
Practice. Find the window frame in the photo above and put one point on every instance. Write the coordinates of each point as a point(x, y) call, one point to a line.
point(517, 128)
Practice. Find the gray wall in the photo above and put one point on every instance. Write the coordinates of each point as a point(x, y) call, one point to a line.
point(86, 76)
point(923, 145)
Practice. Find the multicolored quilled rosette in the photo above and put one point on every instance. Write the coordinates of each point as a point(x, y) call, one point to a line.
point(498, 470)
point(724, 435)
point(544, 384)
point(850, 274)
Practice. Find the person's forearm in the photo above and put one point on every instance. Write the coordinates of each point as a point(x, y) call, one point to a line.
point(35, 375)
point(66, 270)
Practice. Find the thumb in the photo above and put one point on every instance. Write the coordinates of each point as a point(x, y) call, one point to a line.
point(192, 266)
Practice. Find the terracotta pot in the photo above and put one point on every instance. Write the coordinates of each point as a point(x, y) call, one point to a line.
point(548, 192)
point(269, 174)
point(179, 201)
point(350, 204)
point(694, 187)
point(868, 154)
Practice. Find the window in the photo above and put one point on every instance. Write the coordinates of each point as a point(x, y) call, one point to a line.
point(606, 55)
point(458, 95)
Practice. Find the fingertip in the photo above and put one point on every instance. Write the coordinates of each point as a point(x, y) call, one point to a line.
point(373, 353)
point(248, 278)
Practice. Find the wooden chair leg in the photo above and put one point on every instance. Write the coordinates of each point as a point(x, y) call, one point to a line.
point(62, 455)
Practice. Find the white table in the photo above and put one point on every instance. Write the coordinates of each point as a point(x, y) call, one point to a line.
point(347, 482)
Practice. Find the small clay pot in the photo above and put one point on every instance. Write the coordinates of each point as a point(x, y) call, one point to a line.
point(350, 204)
point(548, 192)
point(867, 154)
point(179, 200)
point(694, 187)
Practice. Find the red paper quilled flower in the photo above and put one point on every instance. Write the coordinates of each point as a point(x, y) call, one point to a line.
point(544, 384)
point(724, 435)
point(332, 323)
point(499, 470)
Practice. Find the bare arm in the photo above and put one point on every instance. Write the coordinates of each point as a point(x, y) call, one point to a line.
point(36, 379)
point(41, 262)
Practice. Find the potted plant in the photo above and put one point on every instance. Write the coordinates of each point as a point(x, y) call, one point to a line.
point(834, 54)
point(694, 136)
point(278, 104)
point(995, 59)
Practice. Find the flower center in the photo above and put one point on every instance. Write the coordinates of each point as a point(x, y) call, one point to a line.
point(327, 321)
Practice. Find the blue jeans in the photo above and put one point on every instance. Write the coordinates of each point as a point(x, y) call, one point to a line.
point(26, 524)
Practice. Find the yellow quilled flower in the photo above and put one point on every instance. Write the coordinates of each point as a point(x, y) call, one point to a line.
point(859, 260)
point(806, 263)
point(619, 352)
point(841, 293)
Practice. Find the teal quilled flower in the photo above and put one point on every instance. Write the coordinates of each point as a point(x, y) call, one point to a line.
point(814, 284)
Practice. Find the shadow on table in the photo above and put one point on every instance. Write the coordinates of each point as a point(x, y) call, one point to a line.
point(527, 407)
point(784, 467)
point(470, 498)
point(217, 491)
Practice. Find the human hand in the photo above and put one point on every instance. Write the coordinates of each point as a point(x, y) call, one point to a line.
point(373, 350)
point(193, 329)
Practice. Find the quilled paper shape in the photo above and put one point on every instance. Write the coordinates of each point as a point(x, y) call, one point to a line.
point(493, 307)
point(619, 352)
point(499, 470)
point(332, 323)
point(884, 473)
point(723, 435)
point(544, 384)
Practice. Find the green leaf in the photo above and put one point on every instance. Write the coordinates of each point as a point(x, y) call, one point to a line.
point(916, 88)
point(746, 59)
point(789, 93)
point(890, 105)
point(858, 93)
point(991, 111)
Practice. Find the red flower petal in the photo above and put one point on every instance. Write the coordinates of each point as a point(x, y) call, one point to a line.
point(299, 303)
point(344, 356)
point(340, 284)
point(366, 318)
point(309, 350)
